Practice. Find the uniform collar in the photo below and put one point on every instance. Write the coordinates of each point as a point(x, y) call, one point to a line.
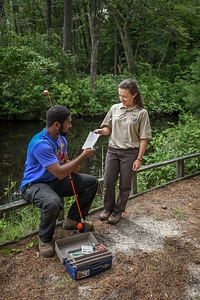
point(127, 108)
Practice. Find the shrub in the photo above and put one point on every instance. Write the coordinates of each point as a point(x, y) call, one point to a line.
point(177, 140)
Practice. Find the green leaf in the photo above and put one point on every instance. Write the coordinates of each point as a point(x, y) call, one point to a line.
point(16, 238)
point(5, 251)
point(16, 250)
point(32, 244)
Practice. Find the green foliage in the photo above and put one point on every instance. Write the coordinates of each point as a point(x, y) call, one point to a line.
point(2, 224)
point(165, 42)
point(25, 71)
point(32, 244)
point(8, 191)
point(98, 202)
point(177, 140)
point(106, 91)
point(64, 283)
point(66, 96)
point(191, 88)
point(77, 96)
point(159, 94)
point(6, 251)
point(18, 223)
point(24, 77)
point(28, 74)
point(178, 213)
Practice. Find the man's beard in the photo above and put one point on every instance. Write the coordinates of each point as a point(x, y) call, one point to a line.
point(61, 132)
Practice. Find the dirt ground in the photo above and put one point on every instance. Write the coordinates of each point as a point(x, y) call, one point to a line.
point(155, 249)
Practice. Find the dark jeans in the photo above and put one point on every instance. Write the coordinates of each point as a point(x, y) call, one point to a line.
point(119, 163)
point(46, 196)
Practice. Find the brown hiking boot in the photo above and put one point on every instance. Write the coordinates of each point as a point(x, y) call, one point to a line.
point(46, 249)
point(114, 217)
point(69, 224)
point(104, 215)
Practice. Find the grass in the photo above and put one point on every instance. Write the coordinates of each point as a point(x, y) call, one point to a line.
point(158, 218)
point(178, 213)
point(64, 283)
point(153, 268)
point(17, 224)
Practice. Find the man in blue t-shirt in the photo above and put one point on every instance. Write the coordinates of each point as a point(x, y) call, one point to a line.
point(49, 175)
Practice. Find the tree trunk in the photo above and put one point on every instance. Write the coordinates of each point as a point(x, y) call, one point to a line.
point(18, 27)
point(48, 20)
point(67, 25)
point(2, 17)
point(94, 32)
point(165, 50)
point(126, 41)
point(2, 12)
point(123, 17)
point(115, 54)
point(88, 42)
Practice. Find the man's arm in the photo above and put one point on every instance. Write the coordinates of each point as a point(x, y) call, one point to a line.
point(61, 171)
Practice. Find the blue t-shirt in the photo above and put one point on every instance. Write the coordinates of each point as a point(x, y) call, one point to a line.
point(43, 151)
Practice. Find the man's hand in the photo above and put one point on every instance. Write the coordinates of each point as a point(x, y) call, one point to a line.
point(88, 152)
point(77, 169)
point(61, 171)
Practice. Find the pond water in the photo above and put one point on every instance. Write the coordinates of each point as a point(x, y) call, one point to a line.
point(15, 136)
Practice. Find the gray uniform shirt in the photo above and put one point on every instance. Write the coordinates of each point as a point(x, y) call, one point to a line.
point(128, 126)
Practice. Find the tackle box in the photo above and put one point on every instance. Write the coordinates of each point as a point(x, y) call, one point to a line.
point(83, 255)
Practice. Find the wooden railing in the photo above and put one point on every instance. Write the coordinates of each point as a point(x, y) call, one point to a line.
point(179, 161)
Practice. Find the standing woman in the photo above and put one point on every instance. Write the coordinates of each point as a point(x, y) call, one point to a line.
point(129, 128)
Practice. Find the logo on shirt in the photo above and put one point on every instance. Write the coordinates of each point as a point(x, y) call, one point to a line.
point(134, 118)
point(61, 157)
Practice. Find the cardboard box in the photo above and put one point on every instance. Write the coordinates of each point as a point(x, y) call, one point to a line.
point(83, 255)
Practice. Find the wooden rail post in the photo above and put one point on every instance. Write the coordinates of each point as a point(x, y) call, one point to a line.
point(134, 185)
point(180, 168)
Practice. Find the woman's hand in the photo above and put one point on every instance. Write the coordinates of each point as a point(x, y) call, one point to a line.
point(136, 165)
point(103, 131)
point(99, 131)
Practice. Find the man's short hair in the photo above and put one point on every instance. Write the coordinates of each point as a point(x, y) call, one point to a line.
point(57, 113)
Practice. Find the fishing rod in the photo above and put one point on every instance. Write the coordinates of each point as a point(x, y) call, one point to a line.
point(46, 92)
point(81, 224)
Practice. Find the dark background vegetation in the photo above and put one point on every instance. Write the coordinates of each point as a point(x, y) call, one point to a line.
point(81, 50)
